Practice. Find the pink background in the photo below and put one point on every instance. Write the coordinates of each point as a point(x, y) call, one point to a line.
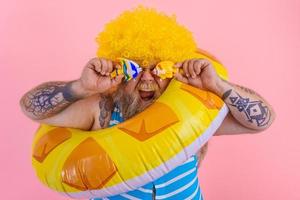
point(258, 41)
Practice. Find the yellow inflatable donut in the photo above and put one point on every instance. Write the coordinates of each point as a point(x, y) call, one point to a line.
point(87, 164)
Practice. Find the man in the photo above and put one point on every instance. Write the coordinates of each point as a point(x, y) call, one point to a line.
point(96, 101)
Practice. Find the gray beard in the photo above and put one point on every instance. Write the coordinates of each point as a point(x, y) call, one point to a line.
point(130, 104)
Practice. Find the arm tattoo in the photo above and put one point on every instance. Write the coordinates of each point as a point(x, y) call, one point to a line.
point(255, 111)
point(245, 89)
point(49, 99)
point(226, 94)
point(105, 106)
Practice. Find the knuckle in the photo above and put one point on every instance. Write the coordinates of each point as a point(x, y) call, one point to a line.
point(205, 61)
point(93, 59)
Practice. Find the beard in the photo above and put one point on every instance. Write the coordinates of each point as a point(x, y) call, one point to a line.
point(131, 103)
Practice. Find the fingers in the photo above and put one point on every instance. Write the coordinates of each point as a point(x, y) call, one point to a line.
point(116, 65)
point(101, 66)
point(178, 65)
point(188, 70)
point(104, 67)
point(185, 68)
point(95, 65)
point(110, 66)
point(181, 78)
point(191, 71)
point(192, 68)
point(117, 80)
point(107, 66)
point(197, 68)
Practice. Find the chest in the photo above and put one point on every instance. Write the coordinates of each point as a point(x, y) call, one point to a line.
point(107, 116)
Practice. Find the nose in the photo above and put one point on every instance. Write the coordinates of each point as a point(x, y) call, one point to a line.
point(147, 75)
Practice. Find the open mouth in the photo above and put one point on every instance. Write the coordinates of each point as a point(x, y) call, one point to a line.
point(146, 95)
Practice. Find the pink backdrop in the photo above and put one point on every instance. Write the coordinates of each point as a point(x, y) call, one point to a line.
point(258, 41)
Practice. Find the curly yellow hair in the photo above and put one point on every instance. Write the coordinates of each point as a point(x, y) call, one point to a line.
point(147, 37)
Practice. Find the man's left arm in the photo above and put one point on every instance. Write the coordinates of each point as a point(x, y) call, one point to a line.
point(249, 112)
point(247, 106)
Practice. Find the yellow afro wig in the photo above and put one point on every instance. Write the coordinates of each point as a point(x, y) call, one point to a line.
point(147, 37)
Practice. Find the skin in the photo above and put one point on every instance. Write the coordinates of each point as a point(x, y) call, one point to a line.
point(249, 112)
point(87, 103)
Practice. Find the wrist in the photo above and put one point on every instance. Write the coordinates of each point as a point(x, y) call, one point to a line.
point(77, 90)
point(222, 87)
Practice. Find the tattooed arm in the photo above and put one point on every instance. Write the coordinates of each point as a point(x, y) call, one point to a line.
point(71, 104)
point(59, 104)
point(50, 98)
point(249, 112)
point(246, 106)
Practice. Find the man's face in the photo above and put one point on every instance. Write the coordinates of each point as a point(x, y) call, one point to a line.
point(147, 85)
point(139, 93)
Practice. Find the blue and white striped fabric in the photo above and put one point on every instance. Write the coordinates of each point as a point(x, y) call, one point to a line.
point(116, 117)
point(180, 183)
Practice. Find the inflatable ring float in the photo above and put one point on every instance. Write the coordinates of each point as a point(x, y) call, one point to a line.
point(106, 162)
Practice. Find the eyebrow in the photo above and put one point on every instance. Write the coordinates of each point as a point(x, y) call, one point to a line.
point(149, 67)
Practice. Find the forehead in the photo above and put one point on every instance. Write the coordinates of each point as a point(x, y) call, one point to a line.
point(148, 67)
point(146, 64)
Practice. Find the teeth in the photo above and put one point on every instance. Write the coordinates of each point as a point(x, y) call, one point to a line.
point(146, 87)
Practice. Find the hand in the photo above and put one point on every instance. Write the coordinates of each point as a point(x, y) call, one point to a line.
point(199, 73)
point(95, 77)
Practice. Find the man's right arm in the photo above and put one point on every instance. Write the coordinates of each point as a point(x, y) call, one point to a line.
point(62, 104)
point(50, 98)
point(71, 104)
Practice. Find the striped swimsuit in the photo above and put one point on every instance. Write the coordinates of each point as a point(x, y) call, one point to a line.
point(180, 183)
